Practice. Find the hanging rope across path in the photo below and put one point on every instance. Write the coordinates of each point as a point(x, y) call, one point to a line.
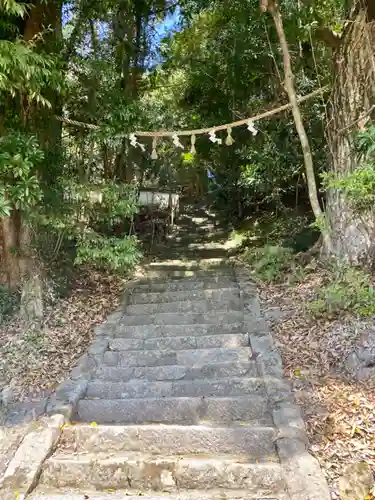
point(226, 126)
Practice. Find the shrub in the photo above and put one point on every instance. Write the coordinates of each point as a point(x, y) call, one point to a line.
point(270, 262)
point(349, 290)
point(116, 254)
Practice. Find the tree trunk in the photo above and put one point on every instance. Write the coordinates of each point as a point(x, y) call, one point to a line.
point(10, 253)
point(44, 15)
point(15, 237)
point(22, 269)
point(352, 235)
point(272, 7)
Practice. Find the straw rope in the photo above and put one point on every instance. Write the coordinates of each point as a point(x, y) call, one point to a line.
point(200, 131)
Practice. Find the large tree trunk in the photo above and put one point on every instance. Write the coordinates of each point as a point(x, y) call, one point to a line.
point(352, 235)
point(10, 253)
point(22, 269)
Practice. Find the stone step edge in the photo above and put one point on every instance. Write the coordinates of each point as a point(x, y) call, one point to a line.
point(161, 286)
point(195, 300)
point(251, 440)
point(186, 411)
point(117, 331)
point(255, 386)
point(194, 262)
point(47, 494)
point(65, 399)
point(174, 373)
point(250, 424)
point(176, 338)
point(162, 473)
point(199, 277)
point(214, 291)
point(185, 307)
point(165, 357)
point(173, 318)
point(172, 273)
point(238, 458)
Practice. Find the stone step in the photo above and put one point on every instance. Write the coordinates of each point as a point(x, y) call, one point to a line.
point(173, 273)
point(158, 297)
point(203, 264)
point(232, 303)
point(193, 251)
point(186, 330)
point(210, 283)
point(186, 411)
point(181, 342)
point(201, 236)
point(177, 372)
point(167, 473)
point(98, 389)
point(135, 495)
point(187, 357)
point(252, 440)
point(210, 318)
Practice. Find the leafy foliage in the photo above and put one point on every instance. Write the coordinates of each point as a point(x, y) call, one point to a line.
point(359, 185)
point(116, 254)
point(23, 70)
point(270, 263)
point(13, 8)
point(349, 289)
point(20, 156)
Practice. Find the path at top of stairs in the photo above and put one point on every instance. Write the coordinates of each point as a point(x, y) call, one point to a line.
point(186, 391)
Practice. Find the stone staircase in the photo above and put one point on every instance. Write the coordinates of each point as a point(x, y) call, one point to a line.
point(181, 396)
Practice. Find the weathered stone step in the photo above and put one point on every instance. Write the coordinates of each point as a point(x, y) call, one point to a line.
point(252, 440)
point(128, 495)
point(181, 342)
point(186, 411)
point(158, 297)
point(178, 372)
point(210, 283)
point(183, 357)
point(193, 251)
point(232, 303)
point(165, 473)
point(170, 273)
point(182, 388)
point(203, 264)
point(210, 318)
point(156, 331)
point(196, 236)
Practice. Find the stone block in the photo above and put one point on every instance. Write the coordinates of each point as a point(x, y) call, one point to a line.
point(185, 411)
point(24, 469)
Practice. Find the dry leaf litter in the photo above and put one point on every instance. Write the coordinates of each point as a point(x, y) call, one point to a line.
point(339, 412)
point(34, 358)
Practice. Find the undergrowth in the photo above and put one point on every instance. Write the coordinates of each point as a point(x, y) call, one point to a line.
point(272, 263)
point(342, 290)
point(346, 290)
